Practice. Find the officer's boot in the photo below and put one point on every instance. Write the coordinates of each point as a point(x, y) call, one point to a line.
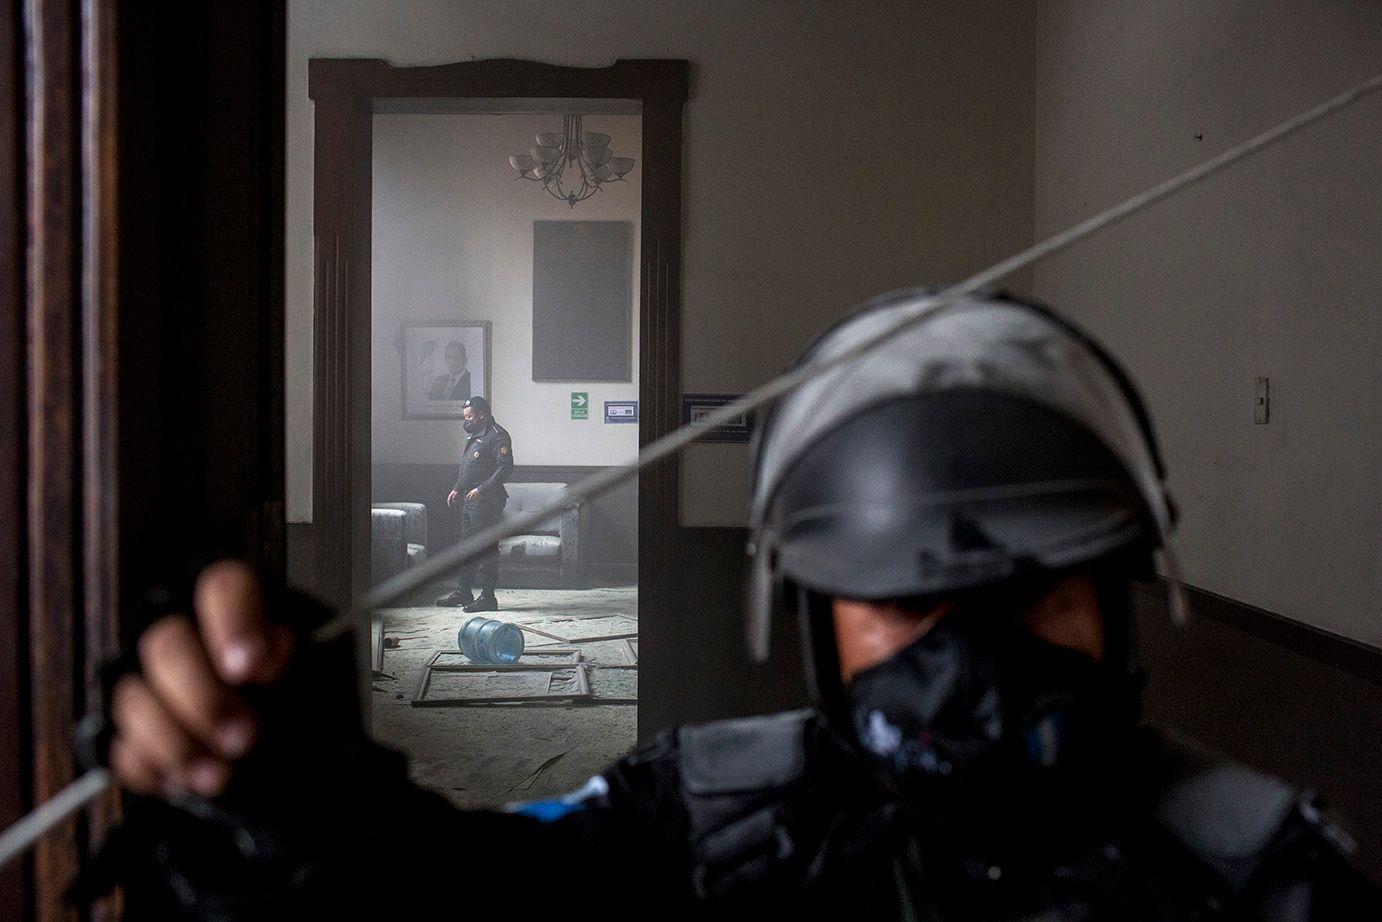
point(457, 598)
point(486, 602)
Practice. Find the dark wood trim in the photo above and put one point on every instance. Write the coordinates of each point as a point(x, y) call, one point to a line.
point(146, 436)
point(345, 92)
point(341, 423)
point(15, 756)
point(497, 78)
point(100, 394)
point(271, 140)
point(1320, 645)
point(522, 473)
point(54, 413)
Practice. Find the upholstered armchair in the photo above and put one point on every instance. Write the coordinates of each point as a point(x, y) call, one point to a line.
point(548, 556)
point(414, 529)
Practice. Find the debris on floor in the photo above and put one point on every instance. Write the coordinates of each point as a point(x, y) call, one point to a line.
point(485, 754)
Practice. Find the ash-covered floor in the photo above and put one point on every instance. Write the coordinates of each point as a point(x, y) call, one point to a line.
point(481, 756)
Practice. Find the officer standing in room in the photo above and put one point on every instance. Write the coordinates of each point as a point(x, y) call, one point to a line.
point(485, 464)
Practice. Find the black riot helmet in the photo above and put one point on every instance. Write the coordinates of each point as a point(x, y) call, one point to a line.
point(988, 440)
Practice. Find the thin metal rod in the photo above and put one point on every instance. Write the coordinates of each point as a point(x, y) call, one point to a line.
point(21, 836)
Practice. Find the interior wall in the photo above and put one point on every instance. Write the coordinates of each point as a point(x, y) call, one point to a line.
point(833, 151)
point(453, 241)
point(1269, 270)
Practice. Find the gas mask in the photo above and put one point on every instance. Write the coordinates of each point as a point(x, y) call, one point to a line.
point(983, 717)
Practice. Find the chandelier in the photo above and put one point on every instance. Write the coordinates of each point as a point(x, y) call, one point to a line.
point(587, 153)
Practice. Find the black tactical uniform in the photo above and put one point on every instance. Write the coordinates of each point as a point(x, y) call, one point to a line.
point(775, 815)
point(766, 818)
point(485, 465)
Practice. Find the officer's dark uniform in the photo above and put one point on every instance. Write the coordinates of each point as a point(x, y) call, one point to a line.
point(775, 814)
point(485, 465)
point(768, 818)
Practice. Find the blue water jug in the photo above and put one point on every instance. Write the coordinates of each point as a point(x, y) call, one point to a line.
point(485, 640)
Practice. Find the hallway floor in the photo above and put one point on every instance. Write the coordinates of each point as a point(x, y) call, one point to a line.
point(484, 756)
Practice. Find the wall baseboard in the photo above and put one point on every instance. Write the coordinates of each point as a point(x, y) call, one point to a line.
point(610, 574)
point(1281, 696)
point(1323, 646)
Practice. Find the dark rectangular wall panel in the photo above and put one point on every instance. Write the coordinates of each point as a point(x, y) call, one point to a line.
point(582, 301)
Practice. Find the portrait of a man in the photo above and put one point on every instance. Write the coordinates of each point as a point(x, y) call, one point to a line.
point(444, 365)
point(454, 382)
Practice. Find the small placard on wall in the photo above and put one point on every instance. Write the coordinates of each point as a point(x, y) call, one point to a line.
point(621, 411)
point(695, 407)
point(580, 405)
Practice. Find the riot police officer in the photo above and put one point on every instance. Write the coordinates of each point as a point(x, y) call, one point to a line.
point(956, 520)
point(486, 464)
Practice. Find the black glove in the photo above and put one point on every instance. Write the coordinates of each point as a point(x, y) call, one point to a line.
point(298, 812)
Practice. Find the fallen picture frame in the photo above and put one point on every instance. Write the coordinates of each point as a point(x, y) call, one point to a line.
point(546, 685)
point(618, 627)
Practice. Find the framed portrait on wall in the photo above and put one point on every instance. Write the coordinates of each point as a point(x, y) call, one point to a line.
point(444, 364)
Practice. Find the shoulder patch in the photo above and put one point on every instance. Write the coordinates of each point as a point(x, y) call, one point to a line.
point(749, 754)
point(503, 449)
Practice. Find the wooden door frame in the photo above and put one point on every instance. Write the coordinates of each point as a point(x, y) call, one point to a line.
point(140, 355)
point(346, 93)
point(58, 403)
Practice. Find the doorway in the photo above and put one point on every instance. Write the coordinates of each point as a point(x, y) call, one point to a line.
point(485, 286)
point(429, 243)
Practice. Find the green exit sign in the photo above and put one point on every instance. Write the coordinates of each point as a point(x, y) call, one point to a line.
point(580, 405)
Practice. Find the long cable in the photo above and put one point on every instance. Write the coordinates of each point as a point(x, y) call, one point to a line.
point(21, 836)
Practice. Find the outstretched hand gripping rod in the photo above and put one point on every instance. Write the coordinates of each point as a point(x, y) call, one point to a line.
point(20, 837)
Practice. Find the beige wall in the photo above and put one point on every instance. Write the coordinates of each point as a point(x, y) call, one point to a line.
point(1270, 270)
point(833, 151)
point(453, 240)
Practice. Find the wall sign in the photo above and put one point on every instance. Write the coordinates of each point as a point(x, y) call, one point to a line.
point(621, 411)
point(580, 405)
point(695, 407)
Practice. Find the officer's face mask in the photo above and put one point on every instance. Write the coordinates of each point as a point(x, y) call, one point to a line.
point(981, 705)
point(471, 426)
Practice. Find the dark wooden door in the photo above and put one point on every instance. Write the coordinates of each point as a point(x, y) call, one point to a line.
point(140, 352)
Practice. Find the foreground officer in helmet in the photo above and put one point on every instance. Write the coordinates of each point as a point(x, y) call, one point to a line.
point(956, 520)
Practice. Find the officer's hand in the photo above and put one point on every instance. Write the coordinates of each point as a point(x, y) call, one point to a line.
point(181, 723)
point(451, 498)
point(473, 494)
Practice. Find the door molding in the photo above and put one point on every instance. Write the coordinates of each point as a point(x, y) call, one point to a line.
point(346, 93)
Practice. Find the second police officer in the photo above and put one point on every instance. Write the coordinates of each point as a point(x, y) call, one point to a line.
point(486, 464)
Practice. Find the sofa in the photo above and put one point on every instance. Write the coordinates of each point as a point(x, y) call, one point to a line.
point(398, 538)
point(545, 557)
